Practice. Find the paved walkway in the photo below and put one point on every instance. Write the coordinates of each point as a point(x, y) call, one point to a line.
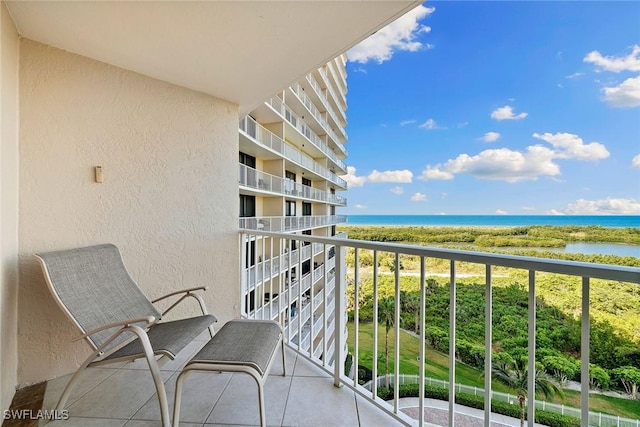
point(437, 413)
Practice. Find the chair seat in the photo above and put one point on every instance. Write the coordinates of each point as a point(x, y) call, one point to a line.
point(167, 338)
point(242, 343)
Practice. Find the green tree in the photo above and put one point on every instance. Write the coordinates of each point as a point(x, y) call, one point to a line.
point(386, 316)
point(563, 367)
point(516, 376)
point(598, 377)
point(629, 377)
point(410, 303)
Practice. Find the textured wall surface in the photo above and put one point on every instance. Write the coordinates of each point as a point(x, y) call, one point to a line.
point(8, 206)
point(169, 198)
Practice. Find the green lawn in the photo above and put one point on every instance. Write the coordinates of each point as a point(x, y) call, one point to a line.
point(437, 366)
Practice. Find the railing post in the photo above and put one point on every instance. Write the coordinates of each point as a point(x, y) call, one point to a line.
point(488, 337)
point(339, 313)
point(452, 343)
point(531, 386)
point(584, 359)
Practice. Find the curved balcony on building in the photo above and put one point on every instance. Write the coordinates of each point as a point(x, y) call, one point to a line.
point(296, 122)
point(262, 182)
point(306, 106)
point(272, 146)
point(290, 223)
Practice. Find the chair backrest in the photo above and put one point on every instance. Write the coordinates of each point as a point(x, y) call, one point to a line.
point(94, 289)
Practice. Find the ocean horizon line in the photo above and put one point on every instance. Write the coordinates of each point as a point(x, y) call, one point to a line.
point(609, 220)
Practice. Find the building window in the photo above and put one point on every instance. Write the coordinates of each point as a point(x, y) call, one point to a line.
point(306, 233)
point(248, 160)
point(251, 253)
point(306, 182)
point(247, 206)
point(289, 182)
point(290, 208)
point(306, 208)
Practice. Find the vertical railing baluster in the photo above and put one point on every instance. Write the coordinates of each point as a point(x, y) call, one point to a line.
point(585, 345)
point(264, 277)
point(396, 350)
point(338, 316)
point(310, 301)
point(531, 369)
point(356, 314)
point(264, 259)
point(374, 362)
point(488, 343)
point(452, 342)
point(422, 337)
point(299, 302)
point(289, 287)
point(325, 321)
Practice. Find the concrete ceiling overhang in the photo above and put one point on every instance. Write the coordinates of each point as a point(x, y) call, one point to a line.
point(239, 51)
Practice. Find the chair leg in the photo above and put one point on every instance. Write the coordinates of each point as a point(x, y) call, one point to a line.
point(263, 415)
point(62, 402)
point(284, 361)
point(155, 373)
point(178, 397)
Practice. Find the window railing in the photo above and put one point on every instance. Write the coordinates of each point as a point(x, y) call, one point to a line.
point(342, 121)
point(290, 223)
point(308, 103)
point(323, 340)
point(269, 140)
point(298, 123)
point(253, 178)
point(329, 85)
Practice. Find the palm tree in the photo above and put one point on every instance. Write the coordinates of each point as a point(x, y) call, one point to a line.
point(411, 303)
point(515, 376)
point(386, 316)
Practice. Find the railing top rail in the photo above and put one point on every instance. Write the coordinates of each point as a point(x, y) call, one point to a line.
point(574, 268)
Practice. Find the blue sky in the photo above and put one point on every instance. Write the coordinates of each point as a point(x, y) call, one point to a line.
point(519, 108)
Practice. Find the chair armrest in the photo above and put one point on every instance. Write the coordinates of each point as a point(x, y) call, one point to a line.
point(183, 291)
point(149, 320)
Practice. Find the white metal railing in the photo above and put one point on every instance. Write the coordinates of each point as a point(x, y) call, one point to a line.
point(595, 418)
point(298, 123)
point(340, 121)
point(308, 103)
point(329, 85)
point(269, 140)
point(253, 178)
point(290, 223)
point(331, 302)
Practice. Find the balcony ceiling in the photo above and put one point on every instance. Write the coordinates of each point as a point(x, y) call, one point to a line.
point(240, 51)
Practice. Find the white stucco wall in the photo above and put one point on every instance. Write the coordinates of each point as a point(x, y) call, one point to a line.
point(169, 198)
point(9, 46)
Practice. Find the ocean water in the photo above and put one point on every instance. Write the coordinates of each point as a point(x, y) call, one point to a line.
point(495, 220)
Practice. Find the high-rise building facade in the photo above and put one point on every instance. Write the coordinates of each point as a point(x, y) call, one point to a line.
point(291, 157)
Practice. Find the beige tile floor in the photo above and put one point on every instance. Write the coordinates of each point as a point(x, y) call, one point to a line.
point(123, 395)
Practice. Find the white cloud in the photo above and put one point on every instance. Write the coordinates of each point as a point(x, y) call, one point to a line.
point(397, 190)
point(602, 207)
point(502, 165)
point(419, 197)
point(360, 206)
point(528, 208)
point(555, 212)
point(352, 179)
point(506, 113)
point(491, 137)
point(574, 75)
point(508, 165)
point(430, 124)
point(407, 122)
point(570, 146)
point(401, 34)
point(630, 62)
point(397, 176)
point(635, 162)
point(501, 212)
point(404, 176)
point(625, 95)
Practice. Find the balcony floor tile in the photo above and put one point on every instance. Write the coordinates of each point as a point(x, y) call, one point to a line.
point(125, 397)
